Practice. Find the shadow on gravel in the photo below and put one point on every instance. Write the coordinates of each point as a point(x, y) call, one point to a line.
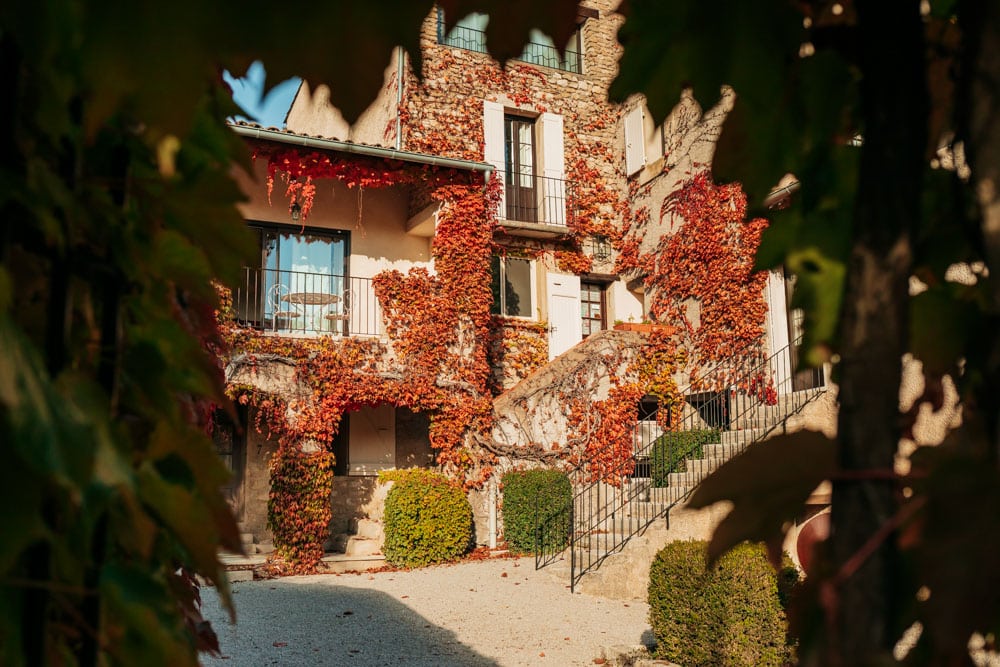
point(281, 623)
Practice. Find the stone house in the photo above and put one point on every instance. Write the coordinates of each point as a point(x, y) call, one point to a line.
point(370, 211)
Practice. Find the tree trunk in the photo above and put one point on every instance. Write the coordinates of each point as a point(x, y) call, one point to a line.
point(979, 115)
point(874, 323)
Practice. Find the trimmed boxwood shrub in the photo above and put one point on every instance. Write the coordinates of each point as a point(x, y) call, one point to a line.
point(668, 453)
point(731, 615)
point(554, 494)
point(428, 519)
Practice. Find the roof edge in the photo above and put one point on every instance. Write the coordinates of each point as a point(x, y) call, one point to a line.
point(293, 139)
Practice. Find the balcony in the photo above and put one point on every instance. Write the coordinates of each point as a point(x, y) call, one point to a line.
point(296, 303)
point(535, 52)
point(534, 206)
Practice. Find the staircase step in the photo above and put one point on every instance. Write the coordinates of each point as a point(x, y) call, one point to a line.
point(342, 563)
point(724, 451)
point(247, 541)
point(742, 437)
point(362, 546)
point(337, 543)
point(368, 529)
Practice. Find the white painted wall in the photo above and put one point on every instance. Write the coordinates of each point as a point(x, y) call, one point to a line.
point(372, 440)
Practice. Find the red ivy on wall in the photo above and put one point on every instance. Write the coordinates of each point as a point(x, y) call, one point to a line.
point(700, 276)
point(436, 325)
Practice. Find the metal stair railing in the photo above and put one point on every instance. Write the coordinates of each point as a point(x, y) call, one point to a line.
point(756, 398)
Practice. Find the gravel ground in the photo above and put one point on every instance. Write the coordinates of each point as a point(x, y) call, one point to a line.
point(494, 612)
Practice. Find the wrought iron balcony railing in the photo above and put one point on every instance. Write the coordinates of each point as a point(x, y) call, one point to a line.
point(297, 303)
point(536, 53)
point(529, 197)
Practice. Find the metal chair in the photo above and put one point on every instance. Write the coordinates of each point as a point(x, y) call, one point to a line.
point(343, 314)
point(281, 314)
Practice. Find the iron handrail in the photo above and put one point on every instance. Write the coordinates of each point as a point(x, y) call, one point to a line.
point(602, 517)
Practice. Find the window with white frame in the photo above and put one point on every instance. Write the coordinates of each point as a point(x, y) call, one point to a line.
point(527, 152)
point(513, 295)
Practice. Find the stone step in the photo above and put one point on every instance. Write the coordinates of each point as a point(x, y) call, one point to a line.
point(264, 548)
point(362, 546)
point(742, 436)
point(247, 541)
point(368, 529)
point(339, 563)
point(724, 451)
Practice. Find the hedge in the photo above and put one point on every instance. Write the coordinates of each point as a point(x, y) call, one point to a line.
point(669, 452)
point(428, 519)
point(730, 616)
point(554, 495)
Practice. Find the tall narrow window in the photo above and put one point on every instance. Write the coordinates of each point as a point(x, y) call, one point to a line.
point(592, 308)
point(512, 294)
point(519, 169)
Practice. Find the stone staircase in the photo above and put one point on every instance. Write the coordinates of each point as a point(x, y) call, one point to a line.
point(251, 545)
point(357, 551)
point(616, 551)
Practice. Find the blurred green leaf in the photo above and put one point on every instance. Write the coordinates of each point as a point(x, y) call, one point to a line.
point(768, 485)
point(184, 511)
point(962, 492)
point(142, 619)
point(665, 50)
point(940, 319)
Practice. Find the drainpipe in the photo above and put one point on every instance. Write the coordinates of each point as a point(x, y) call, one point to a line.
point(400, 68)
point(493, 509)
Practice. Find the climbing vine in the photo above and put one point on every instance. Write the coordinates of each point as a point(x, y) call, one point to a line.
point(436, 355)
point(517, 348)
point(607, 428)
point(434, 360)
point(700, 278)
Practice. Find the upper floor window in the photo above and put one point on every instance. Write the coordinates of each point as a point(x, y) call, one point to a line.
point(528, 155)
point(470, 33)
point(519, 169)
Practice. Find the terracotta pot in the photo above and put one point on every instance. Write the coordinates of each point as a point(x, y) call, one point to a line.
point(643, 327)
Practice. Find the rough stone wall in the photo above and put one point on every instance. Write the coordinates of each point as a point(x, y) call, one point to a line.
point(444, 111)
point(690, 137)
point(533, 412)
point(348, 500)
point(518, 349)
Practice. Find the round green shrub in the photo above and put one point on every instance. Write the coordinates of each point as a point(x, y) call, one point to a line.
point(672, 449)
point(731, 615)
point(428, 519)
point(553, 493)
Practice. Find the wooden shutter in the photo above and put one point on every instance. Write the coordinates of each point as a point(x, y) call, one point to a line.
point(553, 169)
point(635, 144)
point(493, 143)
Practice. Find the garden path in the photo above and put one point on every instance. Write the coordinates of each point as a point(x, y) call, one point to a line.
point(492, 612)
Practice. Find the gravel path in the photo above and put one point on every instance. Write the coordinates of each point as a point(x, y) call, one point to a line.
point(495, 612)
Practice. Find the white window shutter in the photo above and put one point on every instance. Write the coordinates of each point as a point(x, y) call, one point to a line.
point(635, 143)
point(493, 148)
point(553, 169)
